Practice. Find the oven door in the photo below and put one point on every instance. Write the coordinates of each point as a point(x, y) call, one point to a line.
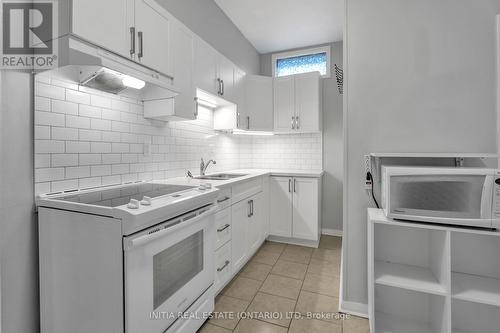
point(167, 267)
point(442, 198)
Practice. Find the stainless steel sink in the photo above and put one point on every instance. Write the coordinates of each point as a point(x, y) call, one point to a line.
point(221, 176)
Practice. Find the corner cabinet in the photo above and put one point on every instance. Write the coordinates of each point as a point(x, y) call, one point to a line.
point(295, 209)
point(298, 103)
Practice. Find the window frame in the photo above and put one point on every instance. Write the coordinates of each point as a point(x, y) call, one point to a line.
point(302, 52)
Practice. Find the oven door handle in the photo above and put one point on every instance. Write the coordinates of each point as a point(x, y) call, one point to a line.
point(129, 244)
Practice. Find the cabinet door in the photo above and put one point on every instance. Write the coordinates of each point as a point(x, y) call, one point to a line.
point(308, 102)
point(181, 63)
point(205, 67)
point(256, 225)
point(105, 23)
point(152, 23)
point(239, 93)
point(284, 103)
point(239, 240)
point(305, 208)
point(226, 71)
point(280, 202)
point(259, 107)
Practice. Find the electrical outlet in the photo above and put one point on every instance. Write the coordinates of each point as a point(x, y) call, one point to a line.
point(368, 164)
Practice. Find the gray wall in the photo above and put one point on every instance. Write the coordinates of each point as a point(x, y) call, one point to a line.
point(18, 232)
point(332, 140)
point(209, 22)
point(421, 78)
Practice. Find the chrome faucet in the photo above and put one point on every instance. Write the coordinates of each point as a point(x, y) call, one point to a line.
point(204, 166)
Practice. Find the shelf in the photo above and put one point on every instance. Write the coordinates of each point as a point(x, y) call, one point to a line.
point(476, 289)
point(385, 323)
point(407, 277)
point(434, 155)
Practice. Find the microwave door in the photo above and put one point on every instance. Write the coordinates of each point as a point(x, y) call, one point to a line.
point(439, 198)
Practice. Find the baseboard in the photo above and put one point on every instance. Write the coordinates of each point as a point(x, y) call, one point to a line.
point(331, 232)
point(354, 308)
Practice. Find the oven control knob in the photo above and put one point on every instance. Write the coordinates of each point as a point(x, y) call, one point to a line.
point(146, 201)
point(133, 204)
point(202, 187)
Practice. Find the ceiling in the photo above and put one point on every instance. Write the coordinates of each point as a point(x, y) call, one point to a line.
point(277, 25)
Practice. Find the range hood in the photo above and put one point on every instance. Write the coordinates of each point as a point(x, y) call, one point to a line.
point(93, 67)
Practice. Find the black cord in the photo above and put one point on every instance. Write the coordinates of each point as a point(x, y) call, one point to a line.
point(370, 177)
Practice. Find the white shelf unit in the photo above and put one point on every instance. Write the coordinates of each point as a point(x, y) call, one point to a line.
point(452, 269)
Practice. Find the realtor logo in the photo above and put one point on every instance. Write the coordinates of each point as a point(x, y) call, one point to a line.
point(27, 37)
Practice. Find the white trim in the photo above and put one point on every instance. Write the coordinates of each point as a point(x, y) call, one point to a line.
point(302, 52)
point(331, 232)
point(498, 85)
point(353, 308)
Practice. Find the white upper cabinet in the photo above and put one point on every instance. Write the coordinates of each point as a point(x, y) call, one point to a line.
point(297, 103)
point(205, 66)
point(152, 24)
point(259, 103)
point(308, 96)
point(226, 72)
point(105, 23)
point(181, 61)
point(284, 104)
point(239, 97)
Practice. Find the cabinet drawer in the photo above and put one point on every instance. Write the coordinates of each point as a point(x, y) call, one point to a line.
point(247, 189)
point(224, 198)
point(223, 225)
point(222, 266)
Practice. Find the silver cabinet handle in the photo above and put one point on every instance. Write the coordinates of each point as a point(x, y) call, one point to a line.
point(141, 44)
point(290, 185)
point(295, 185)
point(196, 107)
point(132, 41)
point(249, 208)
point(251, 205)
point(222, 85)
point(248, 122)
point(223, 228)
point(223, 199)
point(297, 122)
point(220, 269)
point(219, 86)
point(293, 122)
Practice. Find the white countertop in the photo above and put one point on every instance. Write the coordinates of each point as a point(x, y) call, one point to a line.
point(249, 174)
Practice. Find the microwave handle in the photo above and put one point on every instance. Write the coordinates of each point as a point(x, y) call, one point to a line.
point(487, 197)
point(129, 244)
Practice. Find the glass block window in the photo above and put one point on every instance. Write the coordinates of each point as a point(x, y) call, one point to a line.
point(302, 61)
point(302, 64)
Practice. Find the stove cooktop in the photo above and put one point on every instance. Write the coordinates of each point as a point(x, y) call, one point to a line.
point(117, 196)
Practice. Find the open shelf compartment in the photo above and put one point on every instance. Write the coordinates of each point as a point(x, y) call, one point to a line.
point(411, 258)
point(468, 317)
point(475, 266)
point(405, 311)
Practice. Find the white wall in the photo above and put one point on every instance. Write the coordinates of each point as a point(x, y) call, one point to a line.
point(332, 140)
point(421, 78)
point(209, 22)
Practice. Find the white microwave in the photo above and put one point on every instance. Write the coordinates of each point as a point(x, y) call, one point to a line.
point(457, 196)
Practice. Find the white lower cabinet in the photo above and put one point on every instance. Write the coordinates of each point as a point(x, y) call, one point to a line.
point(240, 215)
point(223, 268)
point(295, 208)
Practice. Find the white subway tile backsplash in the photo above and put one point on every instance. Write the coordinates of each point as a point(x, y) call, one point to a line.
point(63, 160)
point(49, 118)
point(77, 97)
point(64, 107)
point(89, 111)
point(77, 122)
point(63, 133)
point(102, 143)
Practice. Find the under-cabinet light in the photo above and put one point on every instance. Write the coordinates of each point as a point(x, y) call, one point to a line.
point(241, 132)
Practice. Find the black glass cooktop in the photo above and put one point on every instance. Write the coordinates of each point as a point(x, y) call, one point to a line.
point(117, 196)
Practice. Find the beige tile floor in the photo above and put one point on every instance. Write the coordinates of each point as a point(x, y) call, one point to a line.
point(283, 279)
